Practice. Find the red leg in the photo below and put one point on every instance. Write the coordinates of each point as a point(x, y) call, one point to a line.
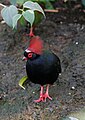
point(41, 95)
point(46, 95)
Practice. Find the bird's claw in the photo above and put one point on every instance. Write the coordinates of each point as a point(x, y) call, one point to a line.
point(39, 100)
point(43, 98)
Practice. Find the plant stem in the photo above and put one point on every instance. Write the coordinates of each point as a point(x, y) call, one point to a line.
point(2, 5)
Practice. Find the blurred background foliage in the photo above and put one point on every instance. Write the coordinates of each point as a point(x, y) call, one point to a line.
point(52, 4)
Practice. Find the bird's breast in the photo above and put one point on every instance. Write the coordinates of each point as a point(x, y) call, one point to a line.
point(43, 68)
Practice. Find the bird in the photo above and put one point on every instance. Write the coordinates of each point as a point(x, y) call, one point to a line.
point(42, 66)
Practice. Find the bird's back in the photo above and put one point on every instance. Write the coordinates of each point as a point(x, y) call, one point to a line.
point(44, 69)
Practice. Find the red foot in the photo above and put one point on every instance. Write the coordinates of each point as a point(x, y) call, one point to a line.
point(45, 96)
point(40, 99)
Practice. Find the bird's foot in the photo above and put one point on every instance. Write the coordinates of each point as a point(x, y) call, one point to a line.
point(45, 96)
point(40, 99)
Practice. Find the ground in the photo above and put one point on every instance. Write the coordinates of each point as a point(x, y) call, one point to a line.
point(63, 34)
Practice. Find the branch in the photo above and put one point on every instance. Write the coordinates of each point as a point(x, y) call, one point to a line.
point(46, 10)
point(55, 11)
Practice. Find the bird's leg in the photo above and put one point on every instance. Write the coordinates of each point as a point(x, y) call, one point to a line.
point(46, 95)
point(31, 34)
point(41, 95)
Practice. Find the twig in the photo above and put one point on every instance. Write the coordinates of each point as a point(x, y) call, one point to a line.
point(55, 11)
point(46, 10)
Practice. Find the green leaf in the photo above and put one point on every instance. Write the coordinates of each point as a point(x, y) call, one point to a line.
point(22, 21)
point(13, 2)
point(20, 2)
point(33, 6)
point(15, 20)
point(22, 80)
point(48, 5)
point(29, 16)
point(38, 18)
point(8, 13)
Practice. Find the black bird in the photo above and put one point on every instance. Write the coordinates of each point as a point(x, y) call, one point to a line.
point(42, 67)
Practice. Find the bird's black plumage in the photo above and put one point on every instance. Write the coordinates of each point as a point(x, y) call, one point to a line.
point(43, 69)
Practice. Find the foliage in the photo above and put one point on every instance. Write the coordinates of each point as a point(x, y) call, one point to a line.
point(26, 10)
point(13, 14)
point(47, 3)
point(83, 2)
point(22, 80)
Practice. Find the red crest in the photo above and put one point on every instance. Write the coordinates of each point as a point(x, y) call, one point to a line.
point(36, 45)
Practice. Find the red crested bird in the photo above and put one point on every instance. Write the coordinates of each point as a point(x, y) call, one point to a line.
point(42, 67)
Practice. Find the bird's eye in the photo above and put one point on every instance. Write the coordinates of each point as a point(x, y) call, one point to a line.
point(30, 55)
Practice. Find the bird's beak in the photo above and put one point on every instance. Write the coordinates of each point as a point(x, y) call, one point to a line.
point(24, 58)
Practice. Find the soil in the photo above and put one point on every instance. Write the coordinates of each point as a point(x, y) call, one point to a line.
point(64, 34)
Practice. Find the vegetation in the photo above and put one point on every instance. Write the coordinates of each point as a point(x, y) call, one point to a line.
point(29, 11)
point(46, 3)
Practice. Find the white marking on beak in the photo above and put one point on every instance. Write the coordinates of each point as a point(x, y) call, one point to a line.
point(24, 58)
point(27, 50)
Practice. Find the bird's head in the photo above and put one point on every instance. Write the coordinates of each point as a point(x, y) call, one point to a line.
point(34, 49)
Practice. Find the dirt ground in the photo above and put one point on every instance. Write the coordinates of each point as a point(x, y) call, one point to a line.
point(64, 34)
